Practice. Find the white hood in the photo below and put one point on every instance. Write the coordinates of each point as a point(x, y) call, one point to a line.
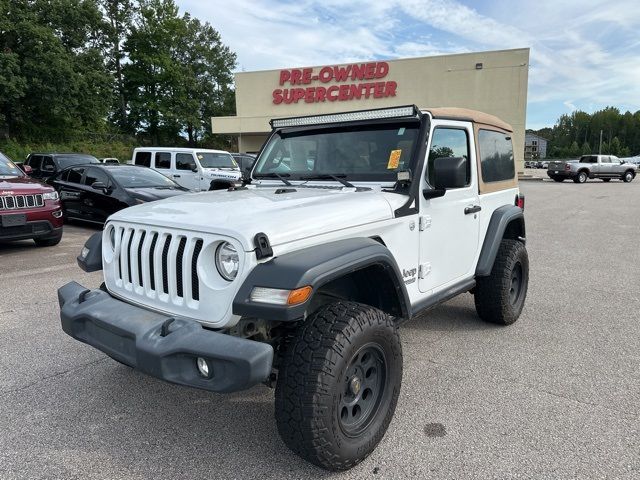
point(282, 217)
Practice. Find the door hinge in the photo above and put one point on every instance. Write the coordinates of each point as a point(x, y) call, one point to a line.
point(424, 269)
point(424, 222)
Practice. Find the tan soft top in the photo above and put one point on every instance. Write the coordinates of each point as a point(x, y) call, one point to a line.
point(455, 113)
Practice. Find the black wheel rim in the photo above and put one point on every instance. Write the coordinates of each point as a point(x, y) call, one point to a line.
point(363, 388)
point(516, 283)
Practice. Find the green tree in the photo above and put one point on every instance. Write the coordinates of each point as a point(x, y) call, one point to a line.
point(178, 73)
point(52, 77)
point(586, 149)
point(574, 149)
point(615, 146)
point(118, 21)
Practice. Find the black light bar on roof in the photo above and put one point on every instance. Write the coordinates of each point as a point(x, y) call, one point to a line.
point(407, 111)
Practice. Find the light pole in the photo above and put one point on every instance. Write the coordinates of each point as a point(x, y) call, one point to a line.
point(600, 147)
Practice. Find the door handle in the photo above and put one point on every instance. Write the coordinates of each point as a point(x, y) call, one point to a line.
point(176, 176)
point(472, 209)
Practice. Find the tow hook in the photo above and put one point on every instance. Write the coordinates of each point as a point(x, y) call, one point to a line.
point(164, 329)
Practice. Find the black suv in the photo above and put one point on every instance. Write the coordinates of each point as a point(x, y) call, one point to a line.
point(245, 161)
point(46, 165)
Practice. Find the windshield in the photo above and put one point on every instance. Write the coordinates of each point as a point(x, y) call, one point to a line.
point(69, 161)
point(365, 153)
point(216, 160)
point(8, 168)
point(140, 177)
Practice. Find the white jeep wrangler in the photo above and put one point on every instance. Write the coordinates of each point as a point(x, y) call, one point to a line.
point(351, 224)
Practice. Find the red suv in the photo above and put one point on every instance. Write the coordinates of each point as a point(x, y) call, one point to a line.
point(28, 208)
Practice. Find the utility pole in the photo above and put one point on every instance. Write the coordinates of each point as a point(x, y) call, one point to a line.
point(600, 147)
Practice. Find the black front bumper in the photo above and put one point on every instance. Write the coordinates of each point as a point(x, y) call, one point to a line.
point(133, 335)
point(35, 229)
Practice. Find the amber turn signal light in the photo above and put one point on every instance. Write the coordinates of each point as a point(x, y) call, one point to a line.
point(299, 295)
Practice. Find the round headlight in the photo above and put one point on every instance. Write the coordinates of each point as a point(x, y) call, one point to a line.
point(227, 261)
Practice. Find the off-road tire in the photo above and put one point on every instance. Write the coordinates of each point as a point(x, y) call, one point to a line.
point(558, 179)
point(47, 242)
point(494, 298)
point(605, 179)
point(581, 177)
point(628, 176)
point(314, 384)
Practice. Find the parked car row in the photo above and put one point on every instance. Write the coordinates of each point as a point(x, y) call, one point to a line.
point(536, 164)
point(37, 194)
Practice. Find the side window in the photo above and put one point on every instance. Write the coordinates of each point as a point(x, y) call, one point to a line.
point(95, 175)
point(143, 159)
point(185, 161)
point(448, 143)
point(48, 165)
point(62, 176)
point(606, 159)
point(496, 156)
point(75, 175)
point(163, 160)
point(35, 161)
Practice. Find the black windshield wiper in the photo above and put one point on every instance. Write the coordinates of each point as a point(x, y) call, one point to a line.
point(339, 177)
point(279, 176)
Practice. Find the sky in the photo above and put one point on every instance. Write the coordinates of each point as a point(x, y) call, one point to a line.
point(585, 54)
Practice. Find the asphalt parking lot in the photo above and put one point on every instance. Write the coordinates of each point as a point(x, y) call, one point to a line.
point(557, 395)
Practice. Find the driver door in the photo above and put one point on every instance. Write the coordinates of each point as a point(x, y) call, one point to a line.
point(449, 225)
point(184, 174)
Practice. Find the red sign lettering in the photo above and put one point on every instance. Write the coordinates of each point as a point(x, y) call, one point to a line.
point(339, 74)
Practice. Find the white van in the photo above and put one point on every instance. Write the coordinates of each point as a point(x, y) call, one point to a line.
point(192, 168)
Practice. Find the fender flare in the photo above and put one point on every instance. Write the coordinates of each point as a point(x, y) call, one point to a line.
point(315, 266)
point(501, 218)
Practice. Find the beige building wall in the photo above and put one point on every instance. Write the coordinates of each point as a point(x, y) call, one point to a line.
point(493, 82)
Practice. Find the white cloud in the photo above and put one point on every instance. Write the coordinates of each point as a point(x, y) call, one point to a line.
point(586, 51)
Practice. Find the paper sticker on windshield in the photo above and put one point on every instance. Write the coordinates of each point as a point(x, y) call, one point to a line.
point(233, 160)
point(394, 159)
point(200, 157)
point(401, 131)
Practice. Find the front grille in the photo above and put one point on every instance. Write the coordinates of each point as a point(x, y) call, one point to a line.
point(156, 263)
point(15, 202)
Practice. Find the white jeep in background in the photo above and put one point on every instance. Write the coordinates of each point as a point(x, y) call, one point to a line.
point(350, 224)
point(197, 169)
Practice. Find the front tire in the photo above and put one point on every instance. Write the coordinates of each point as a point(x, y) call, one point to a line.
point(338, 384)
point(628, 176)
point(500, 297)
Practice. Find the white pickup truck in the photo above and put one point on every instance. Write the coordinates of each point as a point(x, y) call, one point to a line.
point(604, 167)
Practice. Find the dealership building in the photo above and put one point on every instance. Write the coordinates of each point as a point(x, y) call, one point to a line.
point(493, 82)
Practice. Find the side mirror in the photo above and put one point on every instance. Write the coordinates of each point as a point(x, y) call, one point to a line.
point(27, 169)
point(450, 172)
point(194, 168)
point(99, 186)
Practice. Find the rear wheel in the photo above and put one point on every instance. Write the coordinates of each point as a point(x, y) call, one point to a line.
point(500, 297)
point(338, 384)
point(628, 176)
point(581, 177)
